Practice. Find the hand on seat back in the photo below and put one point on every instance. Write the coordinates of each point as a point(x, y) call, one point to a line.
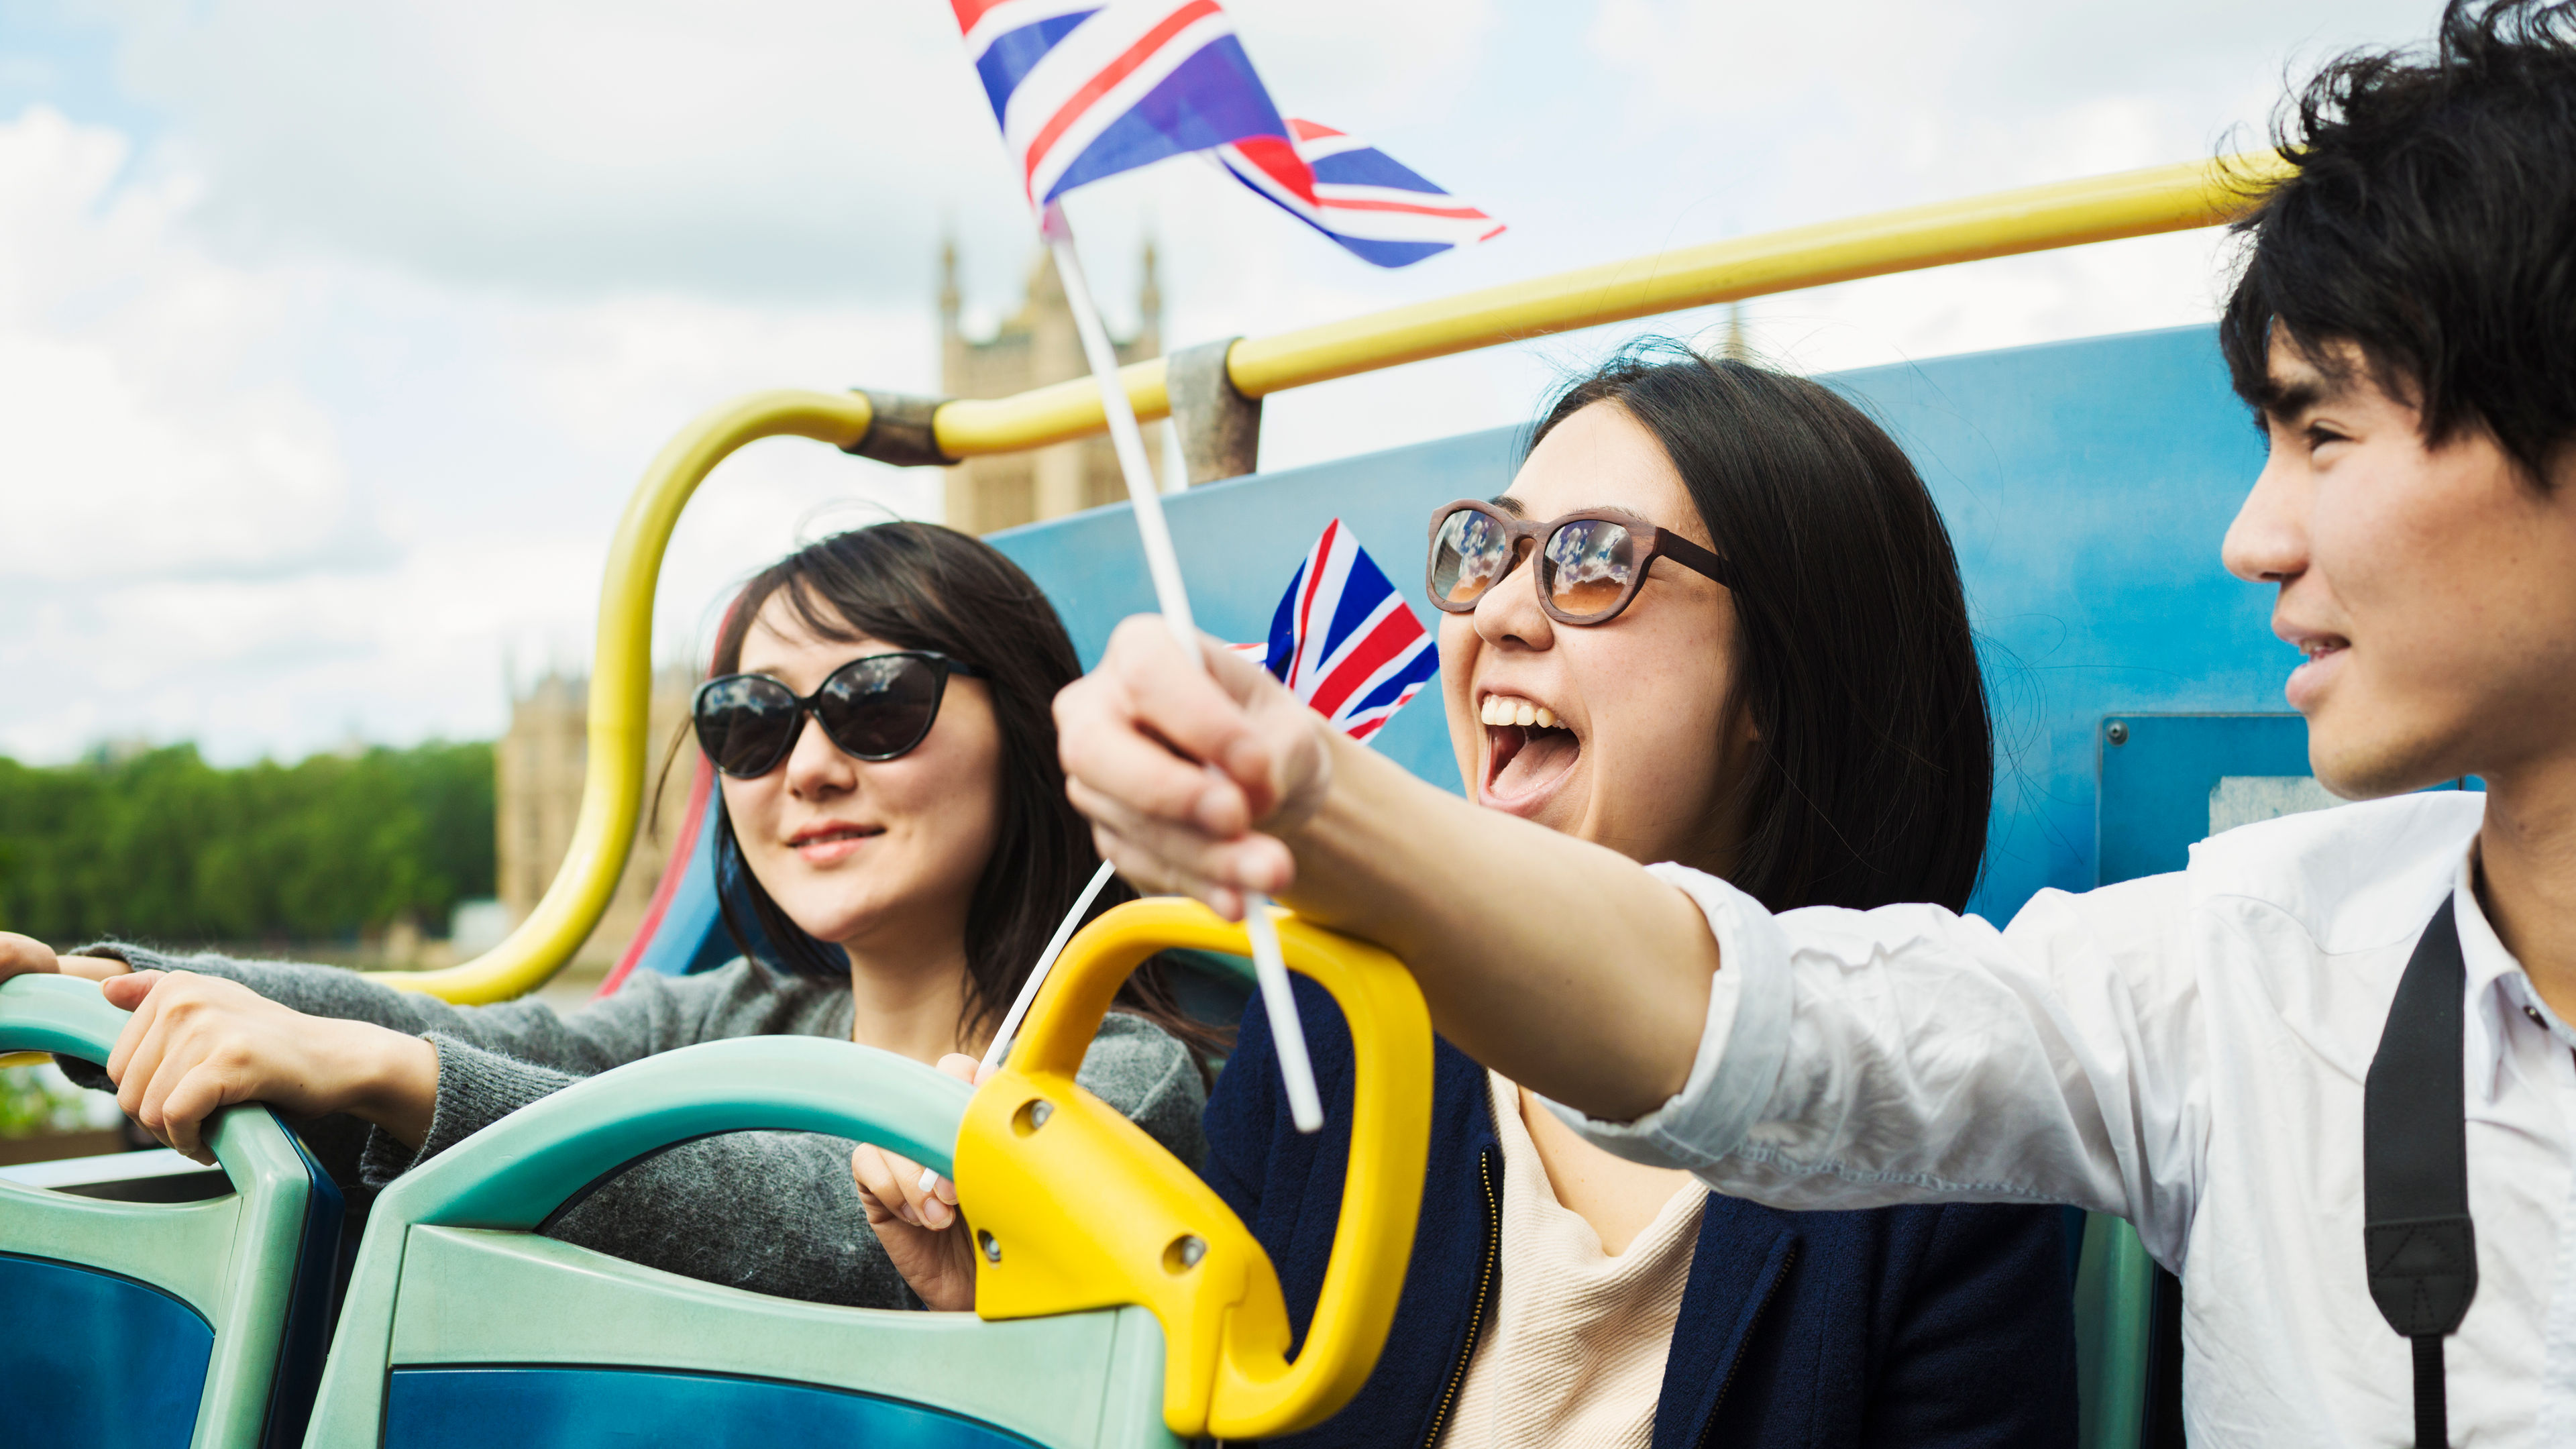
point(199, 1043)
point(919, 1225)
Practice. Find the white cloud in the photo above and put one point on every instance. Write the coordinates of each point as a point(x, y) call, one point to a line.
point(264, 505)
point(149, 427)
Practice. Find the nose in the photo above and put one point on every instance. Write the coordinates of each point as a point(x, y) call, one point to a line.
point(816, 768)
point(2268, 542)
point(1508, 613)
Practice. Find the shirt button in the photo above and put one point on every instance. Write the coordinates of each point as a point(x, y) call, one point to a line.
point(2534, 1013)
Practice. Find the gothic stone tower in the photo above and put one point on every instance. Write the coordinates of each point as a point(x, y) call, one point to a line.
point(1035, 347)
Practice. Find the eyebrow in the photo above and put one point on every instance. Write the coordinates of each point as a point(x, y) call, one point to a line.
point(1509, 504)
point(2286, 401)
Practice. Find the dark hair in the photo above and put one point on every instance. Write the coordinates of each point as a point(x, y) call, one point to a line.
point(1852, 640)
point(2431, 222)
point(921, 586)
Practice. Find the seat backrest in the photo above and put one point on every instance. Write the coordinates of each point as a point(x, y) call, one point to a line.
point(461, 1318)
point(153, 1323)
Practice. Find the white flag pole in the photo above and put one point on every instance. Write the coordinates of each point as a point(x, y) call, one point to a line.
point(1270, 967)
point(1001, 1046)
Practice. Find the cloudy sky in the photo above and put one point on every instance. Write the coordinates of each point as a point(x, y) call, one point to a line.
point(333, 336)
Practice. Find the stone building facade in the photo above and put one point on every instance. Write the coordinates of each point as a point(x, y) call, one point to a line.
point(1034, 347)
point(539, 764)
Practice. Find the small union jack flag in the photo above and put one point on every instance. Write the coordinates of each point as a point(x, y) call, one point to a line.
point(1378, 209)
point(1344, 640)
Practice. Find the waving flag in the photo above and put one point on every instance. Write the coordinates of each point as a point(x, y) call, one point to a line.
point(1380, 210)
point(1086, 89)
point(1344, 640)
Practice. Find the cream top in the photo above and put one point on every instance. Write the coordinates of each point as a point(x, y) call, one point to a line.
point(1573, 1350)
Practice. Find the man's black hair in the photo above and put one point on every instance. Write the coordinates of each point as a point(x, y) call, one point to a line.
point(2431, 223)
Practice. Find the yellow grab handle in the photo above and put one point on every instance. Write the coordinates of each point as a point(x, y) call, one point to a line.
point(1075, 1208)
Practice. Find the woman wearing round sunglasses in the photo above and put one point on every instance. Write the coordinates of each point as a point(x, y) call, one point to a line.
point(1714, 620)
point(892, 872)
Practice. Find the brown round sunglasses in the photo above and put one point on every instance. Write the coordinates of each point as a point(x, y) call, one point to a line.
point(1590, 562)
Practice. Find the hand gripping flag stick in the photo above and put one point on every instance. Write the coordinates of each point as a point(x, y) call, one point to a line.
point(1270, 967)
point(1345, 644)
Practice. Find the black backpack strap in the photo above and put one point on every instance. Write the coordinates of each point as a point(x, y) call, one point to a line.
point(2415, 1168)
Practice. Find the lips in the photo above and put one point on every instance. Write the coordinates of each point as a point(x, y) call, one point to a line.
point(830, 840)
point(2325, 658)
point(2307, 683)
point(1527, 753)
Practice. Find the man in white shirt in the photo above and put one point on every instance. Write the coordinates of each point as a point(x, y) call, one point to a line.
point(2190, 1051)
point(2193, 1052)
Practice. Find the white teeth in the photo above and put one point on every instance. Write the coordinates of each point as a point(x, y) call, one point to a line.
point(1496, 710)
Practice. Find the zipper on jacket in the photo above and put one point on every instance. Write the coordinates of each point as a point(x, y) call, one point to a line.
point(1484, 1295)
point(1787, 1262)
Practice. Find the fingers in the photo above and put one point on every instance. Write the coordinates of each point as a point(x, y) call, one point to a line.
point(1104, 741)
point(183, 1111)
point(25, 956)
point(126, 990)
point(892, 1184)
point(1159, 855)
point(1197, 704)
point(136, 1041)
point(965, 1068)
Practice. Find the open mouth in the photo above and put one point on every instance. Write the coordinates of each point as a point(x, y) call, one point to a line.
point(1526, 751)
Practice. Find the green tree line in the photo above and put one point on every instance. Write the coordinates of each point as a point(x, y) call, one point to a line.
point(163, 847)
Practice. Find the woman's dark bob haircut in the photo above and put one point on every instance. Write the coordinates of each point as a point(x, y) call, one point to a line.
point(2431, 229)
point(1852, 642)
point(921, 586)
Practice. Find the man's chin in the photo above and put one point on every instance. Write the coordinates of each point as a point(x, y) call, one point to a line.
point(2360, 755)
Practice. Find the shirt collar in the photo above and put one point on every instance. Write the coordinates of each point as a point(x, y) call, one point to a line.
point(2498, 989)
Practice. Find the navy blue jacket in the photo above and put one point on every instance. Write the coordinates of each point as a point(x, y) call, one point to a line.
point(1927, 1327)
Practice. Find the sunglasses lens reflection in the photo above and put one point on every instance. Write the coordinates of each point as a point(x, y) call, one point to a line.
point(1469, 555)
point(1590, 565)
point(746, 723)
point(878, 708)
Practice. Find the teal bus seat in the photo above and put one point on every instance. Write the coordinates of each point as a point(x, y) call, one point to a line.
point(150, 1325)
point(462, 1318)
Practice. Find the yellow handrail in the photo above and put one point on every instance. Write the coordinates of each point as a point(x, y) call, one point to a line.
point(2000, 224)
point(621, 683)
point(2004, 223)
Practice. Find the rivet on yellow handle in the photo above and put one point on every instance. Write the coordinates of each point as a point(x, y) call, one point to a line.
point(1076, 1208)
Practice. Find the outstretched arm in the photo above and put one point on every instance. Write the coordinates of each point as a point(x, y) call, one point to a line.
point(1559, 963)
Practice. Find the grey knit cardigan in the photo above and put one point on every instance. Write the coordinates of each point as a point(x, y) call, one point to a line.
point(773, 1212)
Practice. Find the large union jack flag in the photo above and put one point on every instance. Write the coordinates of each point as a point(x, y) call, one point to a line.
point(1379, 209)
point(1085, 89)
point(1344, 640)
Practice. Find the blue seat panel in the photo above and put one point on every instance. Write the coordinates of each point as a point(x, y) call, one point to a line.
point(532, 1407)
point(70, 1373)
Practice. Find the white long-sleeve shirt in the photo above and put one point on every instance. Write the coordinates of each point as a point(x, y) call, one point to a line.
point(2188, 1052)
